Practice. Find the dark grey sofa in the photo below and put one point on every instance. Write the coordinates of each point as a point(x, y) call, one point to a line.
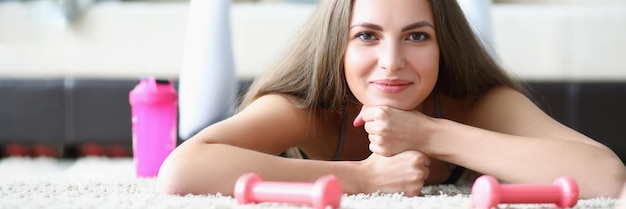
point(68, 113)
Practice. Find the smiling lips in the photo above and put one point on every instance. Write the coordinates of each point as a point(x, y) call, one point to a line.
point(391, 85)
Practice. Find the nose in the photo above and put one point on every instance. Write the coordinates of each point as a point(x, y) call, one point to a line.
point(390, 56)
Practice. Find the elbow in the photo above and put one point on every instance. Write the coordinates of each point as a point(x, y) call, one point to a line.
point(618, 178)
point(183, 173)
point(176, 179)
point(168, 186)
point(609, 183)
point(173, 187)
point(620, 183)
point(171, 181)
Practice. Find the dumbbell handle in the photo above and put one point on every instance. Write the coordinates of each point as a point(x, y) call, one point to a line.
point(522, 193)
point(297, 193)
point(488, 193)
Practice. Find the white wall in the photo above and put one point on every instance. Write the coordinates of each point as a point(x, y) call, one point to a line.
point(134, 39)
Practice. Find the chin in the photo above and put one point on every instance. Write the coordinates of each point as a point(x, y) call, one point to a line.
point(395, 103)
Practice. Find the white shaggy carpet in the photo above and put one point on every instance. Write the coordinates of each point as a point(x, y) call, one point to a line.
point(110, 183)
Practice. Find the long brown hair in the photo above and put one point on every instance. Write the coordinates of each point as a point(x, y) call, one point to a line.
point(465, 66)
point(312, 68)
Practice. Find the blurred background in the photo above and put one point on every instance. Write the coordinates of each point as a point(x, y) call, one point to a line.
point(66, 66)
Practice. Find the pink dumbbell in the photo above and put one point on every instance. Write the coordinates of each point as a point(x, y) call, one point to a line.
point(487, 193)
point(326, 191)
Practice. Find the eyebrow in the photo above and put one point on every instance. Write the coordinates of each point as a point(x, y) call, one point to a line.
point(419, 24)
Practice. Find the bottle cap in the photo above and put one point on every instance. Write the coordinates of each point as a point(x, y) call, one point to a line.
point(151, 90)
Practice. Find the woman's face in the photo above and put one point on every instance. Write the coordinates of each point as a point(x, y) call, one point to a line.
point(392, 57)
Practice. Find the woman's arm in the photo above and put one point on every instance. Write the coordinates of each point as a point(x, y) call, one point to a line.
point(214, 168)
point(211, 161)
point(200, 168)
point(511, 138)
point(249, 141)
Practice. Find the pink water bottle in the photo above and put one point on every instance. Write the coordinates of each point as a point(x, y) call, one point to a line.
point(154, 115)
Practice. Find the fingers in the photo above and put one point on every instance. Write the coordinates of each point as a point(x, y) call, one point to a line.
point(358, 121)
point(405, 172)
point(375, 122)
point(390, 130)
point(418, 167)
point(416, 157)
point(369, 114)
point(379, 149)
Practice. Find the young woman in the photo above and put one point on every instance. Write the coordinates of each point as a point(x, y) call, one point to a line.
point(388, 96)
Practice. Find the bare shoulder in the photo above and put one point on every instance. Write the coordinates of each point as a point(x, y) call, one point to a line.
point(270, 124)
point(501, 107)
point(473, 110)
point(499, 95)
point(506, 110)
point(274, 99)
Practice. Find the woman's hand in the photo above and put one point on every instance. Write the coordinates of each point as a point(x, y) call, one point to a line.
point(392, 131)
point(405, 173)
